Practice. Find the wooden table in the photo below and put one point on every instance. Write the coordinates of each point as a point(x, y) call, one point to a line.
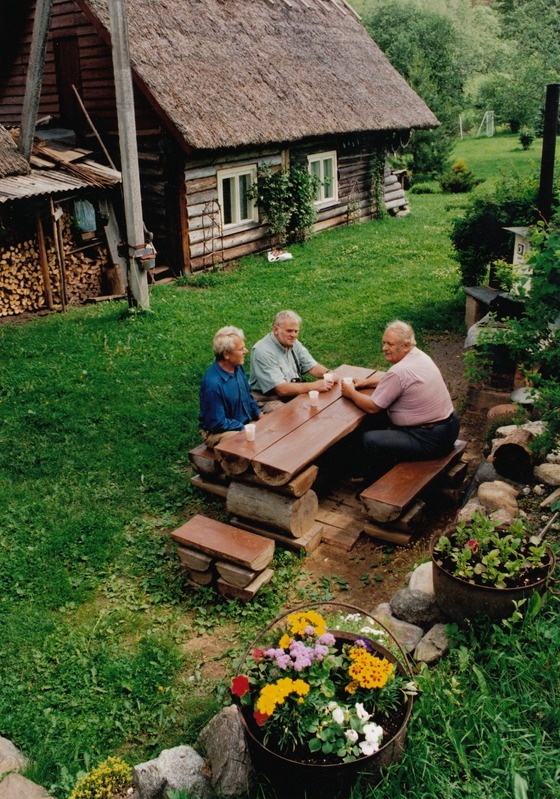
point(291, 438)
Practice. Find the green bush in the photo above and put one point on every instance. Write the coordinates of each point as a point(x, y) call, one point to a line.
point(106, 781)
point(426, 187)
point(479, 237)
point(526, 138)
point(459, 179)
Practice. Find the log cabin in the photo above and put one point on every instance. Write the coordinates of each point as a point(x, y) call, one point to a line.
point(222, 87)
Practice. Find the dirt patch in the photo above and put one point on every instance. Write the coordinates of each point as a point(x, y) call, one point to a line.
point(371, 571)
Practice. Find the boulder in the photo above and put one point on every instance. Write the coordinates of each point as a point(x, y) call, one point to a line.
point(177, 769)
point(548, 473)
point(222, 742)
point(498, 495)
point(11, 759)
point(433, 645)
point(415, 607)
point(14, 786)
point(421, 579)
point(407, 635)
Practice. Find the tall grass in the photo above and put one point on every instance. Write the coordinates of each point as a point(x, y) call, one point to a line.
point(101, 641)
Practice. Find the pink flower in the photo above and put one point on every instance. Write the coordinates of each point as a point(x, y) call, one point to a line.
point(239, 685)
point(473, 545)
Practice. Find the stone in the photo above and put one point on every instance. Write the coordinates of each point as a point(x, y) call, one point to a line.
point(432, 646)
point(222, 741)
point(505, 409)
point(548, 473)
point(14, 786)
point(11, 759)
point(498, 494)
point(407, 635)
point(414, 607)
point(421, 579)
point(502, 517)
point(180, 768)
point(467, 511)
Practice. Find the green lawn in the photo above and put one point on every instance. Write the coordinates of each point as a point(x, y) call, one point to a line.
point(101, 642)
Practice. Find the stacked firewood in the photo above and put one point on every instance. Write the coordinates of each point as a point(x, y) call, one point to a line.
point(22, 285)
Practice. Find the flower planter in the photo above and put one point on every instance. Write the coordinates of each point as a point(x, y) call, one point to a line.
point(461, 600)
point(304, 776)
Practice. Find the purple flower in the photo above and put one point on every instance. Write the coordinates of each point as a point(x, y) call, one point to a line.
point(327, 639)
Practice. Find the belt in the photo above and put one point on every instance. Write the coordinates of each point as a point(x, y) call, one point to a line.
point(434, 424)
point(427, 426)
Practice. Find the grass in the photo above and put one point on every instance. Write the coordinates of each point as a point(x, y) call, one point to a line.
point(102, 643)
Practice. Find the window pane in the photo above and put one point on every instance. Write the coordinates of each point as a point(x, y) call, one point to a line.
point(315, 169)
point(228, 185)
point(244, 184)
point(328, 183)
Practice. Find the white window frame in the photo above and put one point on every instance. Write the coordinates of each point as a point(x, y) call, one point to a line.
point(323, 199)
point(236, 173)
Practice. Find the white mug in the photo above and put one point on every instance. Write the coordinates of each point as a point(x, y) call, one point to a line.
point(313, 398)
point(250, 431)
point(328, 377)
point(349, 381)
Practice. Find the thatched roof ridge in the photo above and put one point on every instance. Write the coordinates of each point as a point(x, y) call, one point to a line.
point(11, 160)
point(231, 73)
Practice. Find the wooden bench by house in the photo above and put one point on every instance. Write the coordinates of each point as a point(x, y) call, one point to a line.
point(234, 560)
point(388, 498)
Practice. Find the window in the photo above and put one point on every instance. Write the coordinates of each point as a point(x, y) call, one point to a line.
point(233, 187)
point(323, 166)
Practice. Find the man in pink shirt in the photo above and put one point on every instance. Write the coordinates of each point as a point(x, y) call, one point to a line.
point(414, 416)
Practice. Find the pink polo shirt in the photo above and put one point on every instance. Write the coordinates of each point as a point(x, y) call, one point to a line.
point(413, 391)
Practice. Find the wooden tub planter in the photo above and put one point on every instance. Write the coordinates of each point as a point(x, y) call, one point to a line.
point(462, 600)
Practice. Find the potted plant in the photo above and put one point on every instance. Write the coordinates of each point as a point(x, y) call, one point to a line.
point(483, 567)
point(322, 701)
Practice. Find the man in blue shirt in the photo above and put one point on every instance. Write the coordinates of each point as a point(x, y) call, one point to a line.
point(226, 404)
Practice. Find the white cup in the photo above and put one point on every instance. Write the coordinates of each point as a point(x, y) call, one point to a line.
point(313, 398)
point(250, 430)
point(328, 377)
point(348, 381)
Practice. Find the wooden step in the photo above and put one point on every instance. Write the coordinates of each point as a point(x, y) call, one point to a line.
point(386, 498)
point(224, 542)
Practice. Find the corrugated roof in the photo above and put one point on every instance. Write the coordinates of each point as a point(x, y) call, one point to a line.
point(231, 73)
point(47, 182)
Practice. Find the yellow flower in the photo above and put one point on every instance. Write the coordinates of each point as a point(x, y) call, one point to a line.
point(285, 641)
point(367, 670)
point(275, 694)
point(299, 622)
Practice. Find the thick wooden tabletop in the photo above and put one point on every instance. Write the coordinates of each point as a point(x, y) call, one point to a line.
point(290, 438)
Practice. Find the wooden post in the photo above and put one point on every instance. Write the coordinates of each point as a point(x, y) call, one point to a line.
point(58, 244)
point(294, 516)
point(47, 289)
point(34, 77)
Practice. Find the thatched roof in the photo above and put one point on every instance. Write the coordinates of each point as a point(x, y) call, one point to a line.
point(11, 161)
point(231, 73)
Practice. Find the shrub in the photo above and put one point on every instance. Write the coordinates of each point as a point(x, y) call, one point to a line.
point(459, 179)
point(479, 237)
point(526, 138)
point(428, 187)
point(109, 779)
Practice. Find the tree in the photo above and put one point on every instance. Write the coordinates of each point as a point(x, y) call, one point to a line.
point(423, 46)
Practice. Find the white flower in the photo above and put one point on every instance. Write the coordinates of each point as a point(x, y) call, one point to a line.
point(374, 734)
point(338, 715)
point(332, 705)
point(351, 735)
point(368, 748)
point(361, 712)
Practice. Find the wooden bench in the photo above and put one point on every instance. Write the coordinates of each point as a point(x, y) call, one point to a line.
point(387, 499)
point(205, 460)
point(234, 560)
